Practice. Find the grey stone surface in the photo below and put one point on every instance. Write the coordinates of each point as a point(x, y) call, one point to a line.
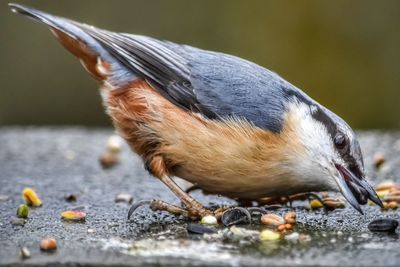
point(59, 161)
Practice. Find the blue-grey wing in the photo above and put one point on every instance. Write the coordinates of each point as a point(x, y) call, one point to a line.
point(214, 84)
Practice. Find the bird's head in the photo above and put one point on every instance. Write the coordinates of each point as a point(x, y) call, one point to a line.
point(331, 155)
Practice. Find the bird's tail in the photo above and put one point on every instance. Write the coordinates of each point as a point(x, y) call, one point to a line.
point(93, 56)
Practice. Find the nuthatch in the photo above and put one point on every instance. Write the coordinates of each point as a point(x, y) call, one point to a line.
point(223, 123)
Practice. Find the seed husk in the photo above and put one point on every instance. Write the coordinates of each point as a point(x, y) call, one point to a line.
point(31, 197)
point(48, 244)
point(71, 198)
point(199, 229)
point(122, 197)
point(24, 253)
point(235, 216)
point(23, 211)
point(383, 225)
point(272, 219)
point(290, 217)
point(379, 159)
point(71, 215)
point(18, 221)
point(209, 219)
point(269, 235)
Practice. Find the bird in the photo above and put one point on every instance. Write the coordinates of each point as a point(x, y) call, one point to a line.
point(223, 123)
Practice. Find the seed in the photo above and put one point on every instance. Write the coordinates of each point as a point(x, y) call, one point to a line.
point(379, 159)
point(394, 192)
point(72, 215)
point(290, 217)
point(71, 198)
point(316, 204)
point(209, 219)
point(108, 159)
point(114, 143)
point(389, 198)
point(272, 219)
point(23, 211)
point(285, 227)
point(18, 221)
point(392, 205)
point(31, 197)
point(383, 225)
point(123, 198)
point(195, 228)
point(48, 244)
point(269, 235)
point(385, 185)
point(333, 203)
point(235, 215)
point(25, 253)
point(382, 193)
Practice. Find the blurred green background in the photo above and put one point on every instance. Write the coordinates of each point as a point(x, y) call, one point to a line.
point(345, 54)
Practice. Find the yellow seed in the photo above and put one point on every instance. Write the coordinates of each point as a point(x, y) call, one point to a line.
point(316, 204)
point(268, 235)
point(209, 219)
point(31, 197)
point(71, 215)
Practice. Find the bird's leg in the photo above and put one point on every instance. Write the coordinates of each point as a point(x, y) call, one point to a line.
point(192, 208)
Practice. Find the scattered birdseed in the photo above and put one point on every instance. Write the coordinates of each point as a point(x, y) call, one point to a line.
point(383, 225)
point(122, 197)
point(379, 159)
point(272, 219)
point(71, 198)
point(71, 215)
point(48, 244)
point(209, 219)
point(390, 205)
point(195, 228)
point(25, 253)
point(18, 221)
point(114, 143)
point(316, 204)
point(108, 159)
point(23, 211)
point(235, 215)
point(386, 185)
point(31, 197)
point(290, 217)
point(269, 235)
point(292, 236)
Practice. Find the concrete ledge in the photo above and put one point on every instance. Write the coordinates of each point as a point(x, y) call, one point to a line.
point(58, 161)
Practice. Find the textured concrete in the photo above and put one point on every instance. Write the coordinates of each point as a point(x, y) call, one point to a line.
point(58, 161)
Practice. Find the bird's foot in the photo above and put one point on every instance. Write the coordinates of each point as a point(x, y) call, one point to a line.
point(193, 211)
point(227, 215)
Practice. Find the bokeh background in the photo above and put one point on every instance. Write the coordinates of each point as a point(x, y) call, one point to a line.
point(345, 54)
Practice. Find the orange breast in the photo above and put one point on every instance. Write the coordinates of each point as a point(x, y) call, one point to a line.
point(230, 157)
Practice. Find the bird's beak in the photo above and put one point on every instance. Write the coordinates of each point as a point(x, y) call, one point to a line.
point(356, 190)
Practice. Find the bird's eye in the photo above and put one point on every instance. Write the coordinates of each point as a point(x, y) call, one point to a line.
point(340, 141)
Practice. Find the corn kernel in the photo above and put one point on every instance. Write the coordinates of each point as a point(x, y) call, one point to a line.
point(31, 197)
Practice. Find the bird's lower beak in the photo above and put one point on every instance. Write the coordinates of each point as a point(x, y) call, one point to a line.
point(356, 190)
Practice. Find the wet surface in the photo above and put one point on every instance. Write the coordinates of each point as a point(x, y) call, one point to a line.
point(60, 161)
